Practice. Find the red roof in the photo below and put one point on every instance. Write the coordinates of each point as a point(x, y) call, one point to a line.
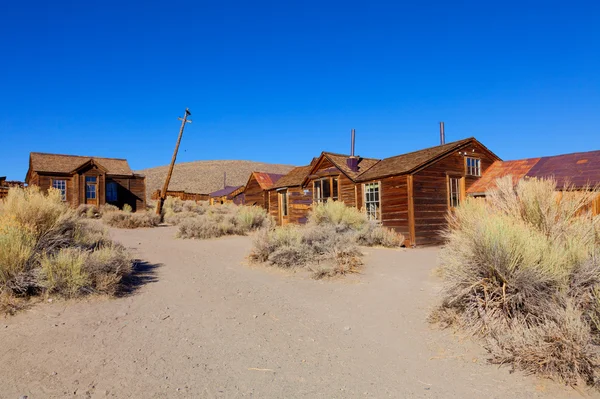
point(266, 180)
point(579, 169)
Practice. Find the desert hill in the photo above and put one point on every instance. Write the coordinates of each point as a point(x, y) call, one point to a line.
point(207, 176)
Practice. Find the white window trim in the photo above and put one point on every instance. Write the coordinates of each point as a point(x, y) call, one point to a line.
point(364, 195)
point(63, 196)
point(473, 170)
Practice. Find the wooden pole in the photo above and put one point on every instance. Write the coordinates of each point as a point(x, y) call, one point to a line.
point(163, 193)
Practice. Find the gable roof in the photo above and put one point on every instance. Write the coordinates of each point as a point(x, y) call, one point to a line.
point(266, 180)
point(339, 161)
point(294, 178)
point(579, 169)
point(405, 163)
point(58, 163)
point(224, 191)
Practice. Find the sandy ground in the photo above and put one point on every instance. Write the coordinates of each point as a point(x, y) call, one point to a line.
point(204, 324)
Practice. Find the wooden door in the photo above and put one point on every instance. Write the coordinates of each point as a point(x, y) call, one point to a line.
point(91, 190)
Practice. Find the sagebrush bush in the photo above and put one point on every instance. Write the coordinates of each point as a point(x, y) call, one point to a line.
point(127, 208)
point(130, 220)
point(220, 220)
point(46, 247)
point(373, 234)
point(338, 214)
point(522, 269)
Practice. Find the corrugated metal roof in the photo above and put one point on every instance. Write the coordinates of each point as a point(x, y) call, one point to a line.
point(579, 169)
point(266, 180)
point(58, 163)
point(516, 169)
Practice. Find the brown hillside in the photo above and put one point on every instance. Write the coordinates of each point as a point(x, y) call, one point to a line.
point(207, 176)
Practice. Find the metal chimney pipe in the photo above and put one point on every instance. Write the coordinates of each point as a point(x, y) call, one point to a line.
point(352, 143)
point(442, 134)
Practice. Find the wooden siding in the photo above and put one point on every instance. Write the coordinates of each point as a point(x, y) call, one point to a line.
point(254, 194)
point(183, 195)
point(299, 204)
point(430, 192)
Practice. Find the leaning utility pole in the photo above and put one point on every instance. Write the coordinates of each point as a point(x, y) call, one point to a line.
point(163, 193)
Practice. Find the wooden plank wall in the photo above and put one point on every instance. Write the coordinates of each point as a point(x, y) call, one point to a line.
point(394, 204)
point(430, 193)
point(254, 194)
point(299, 205)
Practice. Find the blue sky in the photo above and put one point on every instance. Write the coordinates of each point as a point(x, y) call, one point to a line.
point(281, 81)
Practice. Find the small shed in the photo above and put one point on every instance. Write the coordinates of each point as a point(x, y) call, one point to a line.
point(222, 196)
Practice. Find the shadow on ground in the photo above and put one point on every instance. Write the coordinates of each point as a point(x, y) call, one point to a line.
point(143, 273)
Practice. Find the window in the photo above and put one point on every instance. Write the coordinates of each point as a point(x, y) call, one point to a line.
point(111, 192)
point(325, 189)
point(372, 201)
point(90, 187)
point(62, 186)
point(283, 202)
point(454, 197)
point(473, 166)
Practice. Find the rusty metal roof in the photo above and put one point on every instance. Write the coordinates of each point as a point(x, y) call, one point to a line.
point(266, 180)
point(579, 169)
point(517, 169)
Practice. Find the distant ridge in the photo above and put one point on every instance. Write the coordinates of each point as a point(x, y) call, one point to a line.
point(207, 176)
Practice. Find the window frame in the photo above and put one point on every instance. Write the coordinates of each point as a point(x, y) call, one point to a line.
point(334, 189)
point(455, 202)
point(473, 170)
point(63, 190)
point(283, 203)
point(372, 216)
point(112, 188)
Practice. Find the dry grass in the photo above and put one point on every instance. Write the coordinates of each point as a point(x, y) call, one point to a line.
point(327, 244)
point(129, 220)
point(47, 248)
point(207, 176)
point(522, 269)
point(221, 220)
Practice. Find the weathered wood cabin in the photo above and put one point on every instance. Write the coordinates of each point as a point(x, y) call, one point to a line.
point(183, 195)
point(289, 201)
point(580, 171)
point(256, 189)
point(88, 180)
point(410, 193)
point(6, 185)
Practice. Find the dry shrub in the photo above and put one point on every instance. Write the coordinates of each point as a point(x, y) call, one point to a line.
point(222, 220)
point(373, 234)
point(94, 212)
point(46, 247)
point(129, 220)
point(338, 214)
point(522, 268)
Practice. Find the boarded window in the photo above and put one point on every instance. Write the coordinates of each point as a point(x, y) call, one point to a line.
point(111, 192)
point(372, 200)
point(473, 166)
point(62, 186)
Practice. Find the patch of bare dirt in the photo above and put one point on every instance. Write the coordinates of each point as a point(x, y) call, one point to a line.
point(200, 323)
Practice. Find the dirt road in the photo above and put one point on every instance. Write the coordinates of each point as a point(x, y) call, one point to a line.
point(203, 324)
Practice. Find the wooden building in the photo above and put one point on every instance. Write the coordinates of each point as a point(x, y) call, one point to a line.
point(5, 185)
point(183, 195)
point(289, 201)
point(410, 193)
point(88, 180)
point(580, 171)
point(225, 195)
point(256, 189)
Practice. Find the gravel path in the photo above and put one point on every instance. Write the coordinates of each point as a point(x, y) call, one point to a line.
point(204, 324)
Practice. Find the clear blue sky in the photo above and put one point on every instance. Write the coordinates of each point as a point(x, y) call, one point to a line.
point(281, 81)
